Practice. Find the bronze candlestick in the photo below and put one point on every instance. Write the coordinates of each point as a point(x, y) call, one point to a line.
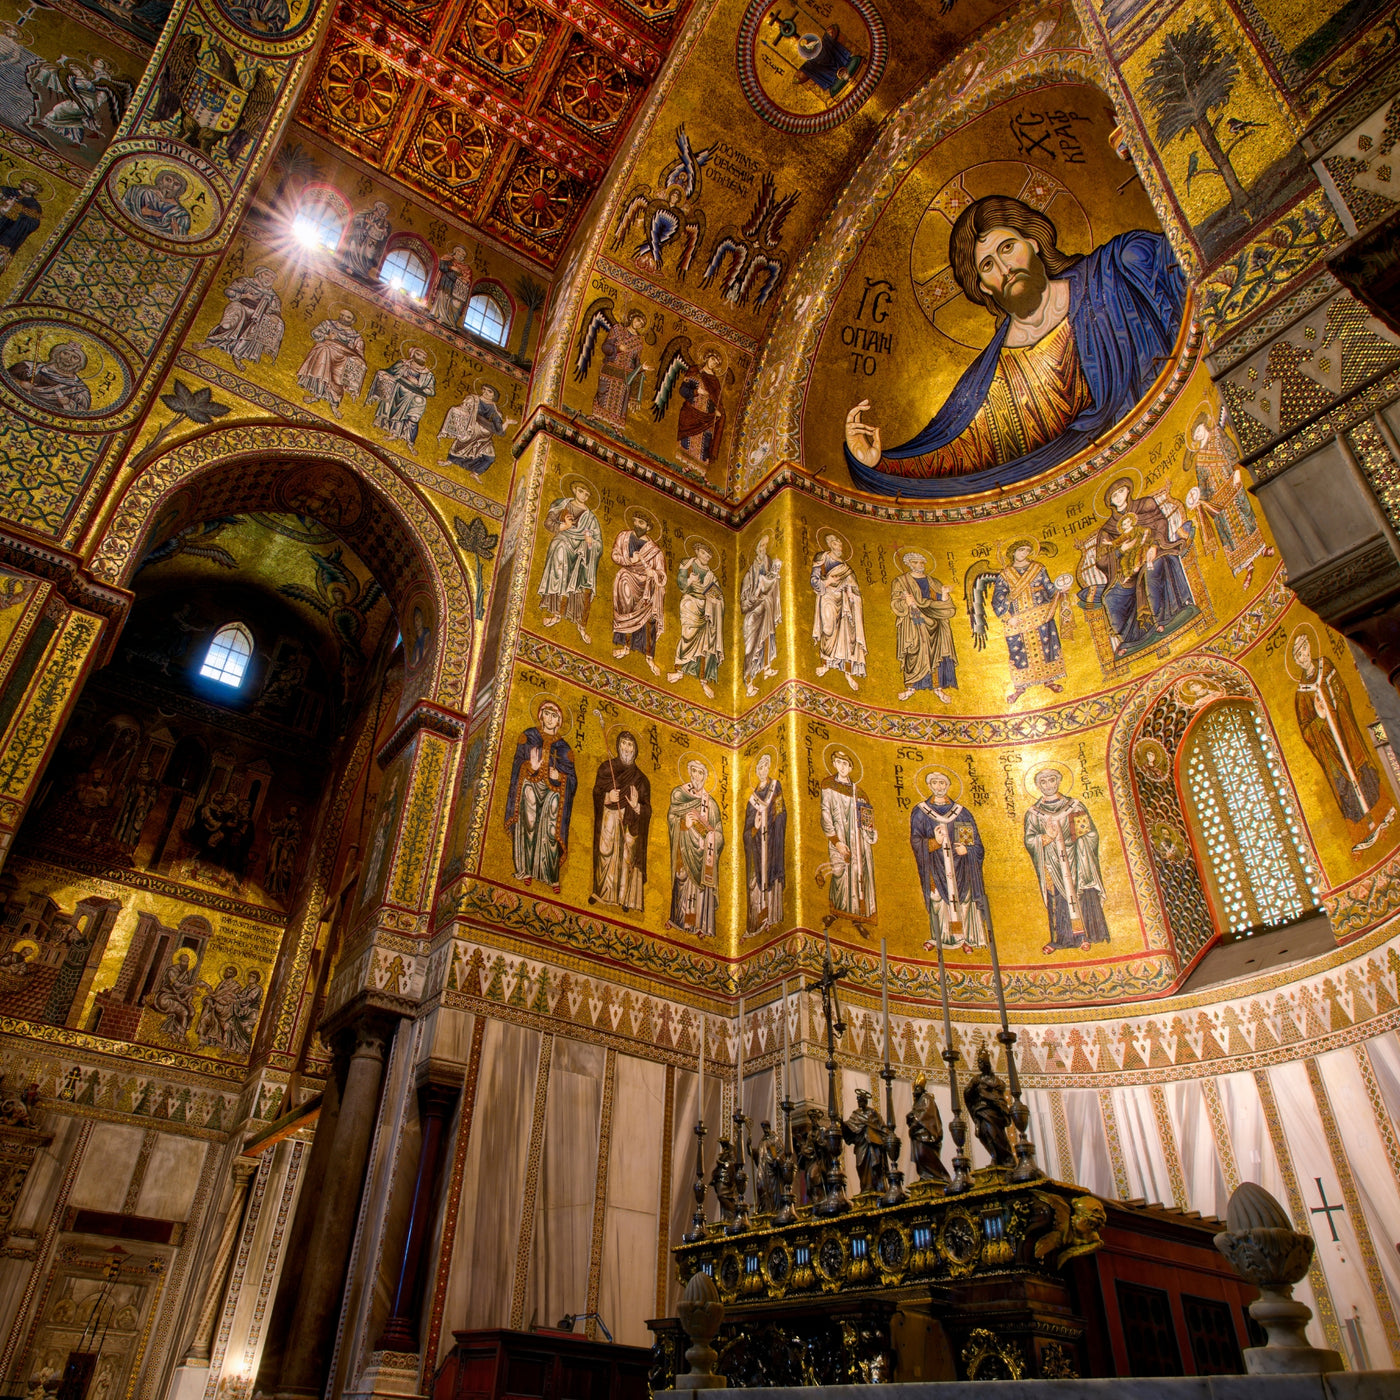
point(697, 1222)
point(834, 1202)
point(1025, 1168)
point(894, 1189)
point(962, 1163)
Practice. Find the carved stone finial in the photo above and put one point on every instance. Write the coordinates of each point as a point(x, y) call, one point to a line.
point(701, 1314)
point(1264, 1249)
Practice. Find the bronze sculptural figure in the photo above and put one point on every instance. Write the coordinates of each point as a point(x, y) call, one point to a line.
point(865, 1131)
point(722, 1179)
point(811, 1154)
point(990, 1108)
point(770, 1169)
point(925, 1125)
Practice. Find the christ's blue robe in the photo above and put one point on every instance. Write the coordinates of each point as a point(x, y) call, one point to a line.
point(1126, 301)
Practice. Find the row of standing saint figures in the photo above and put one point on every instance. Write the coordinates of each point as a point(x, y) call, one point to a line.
point(817, 1148)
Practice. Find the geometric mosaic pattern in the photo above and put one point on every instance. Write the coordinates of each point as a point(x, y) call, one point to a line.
point(506, 112)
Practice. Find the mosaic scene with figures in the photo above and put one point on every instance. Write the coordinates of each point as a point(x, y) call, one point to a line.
point(698, 693)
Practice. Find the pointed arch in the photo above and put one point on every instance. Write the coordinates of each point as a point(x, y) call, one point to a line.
point(1172, 897)
point(327, 476)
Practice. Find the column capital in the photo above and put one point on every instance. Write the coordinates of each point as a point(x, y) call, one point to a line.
point(244, 1170)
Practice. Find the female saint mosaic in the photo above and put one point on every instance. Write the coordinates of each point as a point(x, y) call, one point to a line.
point(1078, 342)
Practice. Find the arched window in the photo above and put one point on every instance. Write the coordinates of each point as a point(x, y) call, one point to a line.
point(227, 659)
point(1249, 842)
point(488, 316)
point(321, 218)
point(405, 269)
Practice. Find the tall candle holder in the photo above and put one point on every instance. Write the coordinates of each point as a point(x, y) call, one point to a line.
point(786, 1213)
point(740, 1223)
point(697, 1221)
point(962, 1164)
point(894, 1178)
point(1025, 1168)
point(834, 1201)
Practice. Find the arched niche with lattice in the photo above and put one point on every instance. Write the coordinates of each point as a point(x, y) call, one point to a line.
point(1250, 846)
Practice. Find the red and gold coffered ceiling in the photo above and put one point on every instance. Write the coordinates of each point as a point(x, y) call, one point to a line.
point(505, 112)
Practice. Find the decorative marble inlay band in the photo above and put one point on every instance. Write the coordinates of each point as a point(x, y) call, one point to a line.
point(532, 1182)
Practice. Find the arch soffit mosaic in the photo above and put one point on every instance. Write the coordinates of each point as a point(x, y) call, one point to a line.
point(264, 467)
point(771, 431)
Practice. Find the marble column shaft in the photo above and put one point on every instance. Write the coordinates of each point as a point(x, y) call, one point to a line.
point(244, 1170)
point(323, 1274)
point(401, 1330)
point(279, 1319)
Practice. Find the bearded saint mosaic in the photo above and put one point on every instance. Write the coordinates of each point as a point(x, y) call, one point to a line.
point(694, 824)
point(761, 603)
point(1328, 725)
point(923, 634)
point(1078, 342)
point(1063, 844)
point(621, 828)
point(639, 589)
point(848, 823)
point(948, 852)
point(838, 623)
point(765, 848)
point(571, 562)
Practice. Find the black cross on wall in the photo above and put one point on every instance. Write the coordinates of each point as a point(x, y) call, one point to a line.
point(1325, 1209)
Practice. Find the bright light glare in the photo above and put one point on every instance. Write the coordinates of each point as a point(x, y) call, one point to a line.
point(309, 232)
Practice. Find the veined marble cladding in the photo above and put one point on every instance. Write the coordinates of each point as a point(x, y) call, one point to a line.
point(493, 1181)
point(568, 1168)
point(632, 1217)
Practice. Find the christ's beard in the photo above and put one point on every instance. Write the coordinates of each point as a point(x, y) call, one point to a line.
point(1022, 293)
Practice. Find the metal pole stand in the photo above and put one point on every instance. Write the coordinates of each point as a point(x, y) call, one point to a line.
point(962, 1163)
point(1025, 1168)
point(697, 1222)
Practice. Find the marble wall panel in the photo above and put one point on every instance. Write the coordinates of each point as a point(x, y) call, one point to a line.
point(493, 1180)
point(385, 1203)
point(172, 1177)
point(1385, 1063)
point(1143, 1158)
point(1254, 1156)
point(258, 1259)
point(631, 1222)
point(563, 1233)
point(1195, 1144)
point(33, 1213)
point(683, 1165)
point(105, 1171)
point(1047, 1153)
point(1376, 1185)
point(1341, 1259)
point(1088, 1143)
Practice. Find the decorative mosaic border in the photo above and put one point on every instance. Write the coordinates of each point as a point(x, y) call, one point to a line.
point(1333, 1002)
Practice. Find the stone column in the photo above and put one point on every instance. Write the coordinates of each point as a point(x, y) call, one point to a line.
point(436, 1100)
point(318, 1290)
point(279, 1318)
point(244, 1170)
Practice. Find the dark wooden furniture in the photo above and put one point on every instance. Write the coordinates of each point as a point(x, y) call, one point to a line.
point(1158, 1299)
point(498, 1364)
